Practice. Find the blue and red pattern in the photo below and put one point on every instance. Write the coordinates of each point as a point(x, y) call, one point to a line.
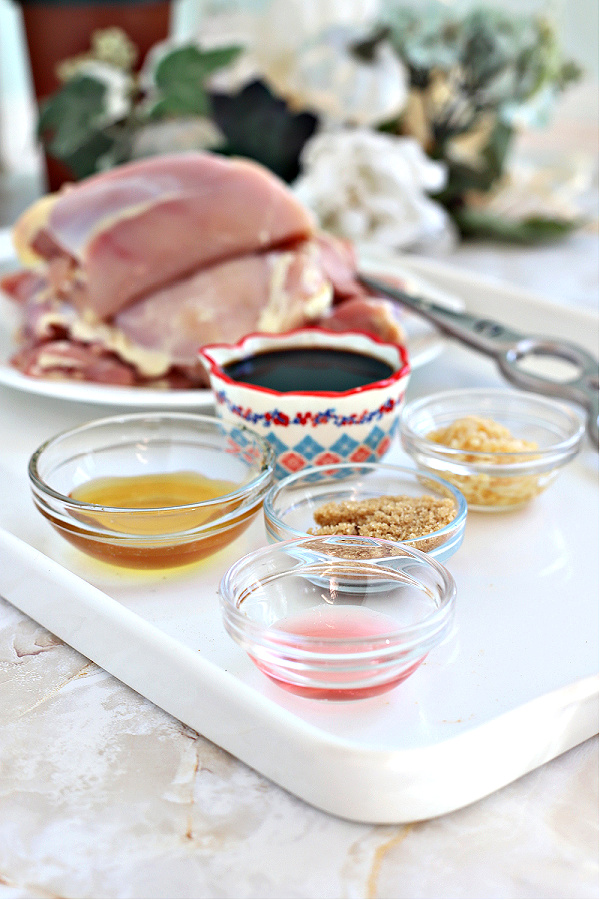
point(309, 452)
point(323, 417)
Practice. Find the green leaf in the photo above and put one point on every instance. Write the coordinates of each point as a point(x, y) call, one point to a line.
point(462, 178)
point(184, 103)
point(180, 77)
point(71, 118)
point(530, 231)
point(219, 57)
point(85, 160)
point(496, 151)
point(260, 126)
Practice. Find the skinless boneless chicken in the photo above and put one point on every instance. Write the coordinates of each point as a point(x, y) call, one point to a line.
point(126, 274)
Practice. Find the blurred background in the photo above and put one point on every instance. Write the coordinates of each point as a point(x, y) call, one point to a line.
point(573, 127)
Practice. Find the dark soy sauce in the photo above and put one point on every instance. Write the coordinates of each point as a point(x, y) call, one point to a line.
point(309, 369)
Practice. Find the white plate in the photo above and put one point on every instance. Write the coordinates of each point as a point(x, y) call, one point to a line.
point(515, 686)
point(424, 344)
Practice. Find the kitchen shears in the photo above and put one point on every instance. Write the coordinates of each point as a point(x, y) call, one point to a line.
point(510, 349)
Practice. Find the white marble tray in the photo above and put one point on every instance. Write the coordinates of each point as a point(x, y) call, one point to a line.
point(514, 687)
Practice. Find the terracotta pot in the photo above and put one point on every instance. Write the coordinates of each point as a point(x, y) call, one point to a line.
point(58, 29)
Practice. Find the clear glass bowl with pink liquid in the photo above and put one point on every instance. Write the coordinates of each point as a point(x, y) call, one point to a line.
point(337, 617)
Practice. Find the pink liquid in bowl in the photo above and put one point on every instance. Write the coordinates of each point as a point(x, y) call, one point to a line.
point(349, 626)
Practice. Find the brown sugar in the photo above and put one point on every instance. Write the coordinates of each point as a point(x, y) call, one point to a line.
point(393, 518)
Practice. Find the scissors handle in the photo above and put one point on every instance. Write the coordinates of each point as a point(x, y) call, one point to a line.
point(511, 349)
point(581, 388)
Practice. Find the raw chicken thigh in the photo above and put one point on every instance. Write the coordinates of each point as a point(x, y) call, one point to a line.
point(129, 272)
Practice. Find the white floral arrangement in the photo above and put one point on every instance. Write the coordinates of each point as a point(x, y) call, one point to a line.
point(393, 124)
point(373, 188)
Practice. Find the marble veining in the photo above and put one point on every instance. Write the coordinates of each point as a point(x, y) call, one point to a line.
point(104, 795)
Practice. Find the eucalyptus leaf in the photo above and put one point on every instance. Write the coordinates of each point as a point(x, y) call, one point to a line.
point(501, 57)
point(461, 179)
point(496, 151)
point(425, 39)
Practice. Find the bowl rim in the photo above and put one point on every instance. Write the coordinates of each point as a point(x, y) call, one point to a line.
point(216, 370)
point(486, 459)
point(427, 629)
point(245, 491)
point(457, 522)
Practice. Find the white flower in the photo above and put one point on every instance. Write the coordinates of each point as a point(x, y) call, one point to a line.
point(331, 79)
point(304, 51)
point(371, 188)
point(275, 36)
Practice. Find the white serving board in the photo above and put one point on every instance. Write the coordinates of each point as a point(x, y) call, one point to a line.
point(515, 685)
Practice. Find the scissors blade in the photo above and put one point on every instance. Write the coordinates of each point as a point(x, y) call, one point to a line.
point(510, 349)
point(482, 334)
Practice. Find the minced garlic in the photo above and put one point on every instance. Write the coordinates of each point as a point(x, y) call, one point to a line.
point(481, 436)
point(475, 434)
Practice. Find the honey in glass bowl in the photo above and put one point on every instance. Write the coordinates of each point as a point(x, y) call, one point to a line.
point(159, 504)
point(151, 491)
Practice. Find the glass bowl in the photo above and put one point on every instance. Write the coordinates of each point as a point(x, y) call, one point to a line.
point(312, 616)
point(291, 505)
point(494, 474)
point(151, 490)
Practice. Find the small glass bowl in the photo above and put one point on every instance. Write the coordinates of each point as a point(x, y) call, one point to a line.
point(312, 616)
point(152, 531)
point(499, 480)
point(290, 504)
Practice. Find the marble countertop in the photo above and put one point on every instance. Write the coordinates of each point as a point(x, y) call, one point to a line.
point(104, 795)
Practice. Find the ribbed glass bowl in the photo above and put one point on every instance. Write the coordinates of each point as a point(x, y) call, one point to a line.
point(236, 463)
point(313, 617)
point(291, 504)
point(493, 481)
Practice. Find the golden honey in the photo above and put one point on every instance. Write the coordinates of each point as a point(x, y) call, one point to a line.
point(151, 507)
